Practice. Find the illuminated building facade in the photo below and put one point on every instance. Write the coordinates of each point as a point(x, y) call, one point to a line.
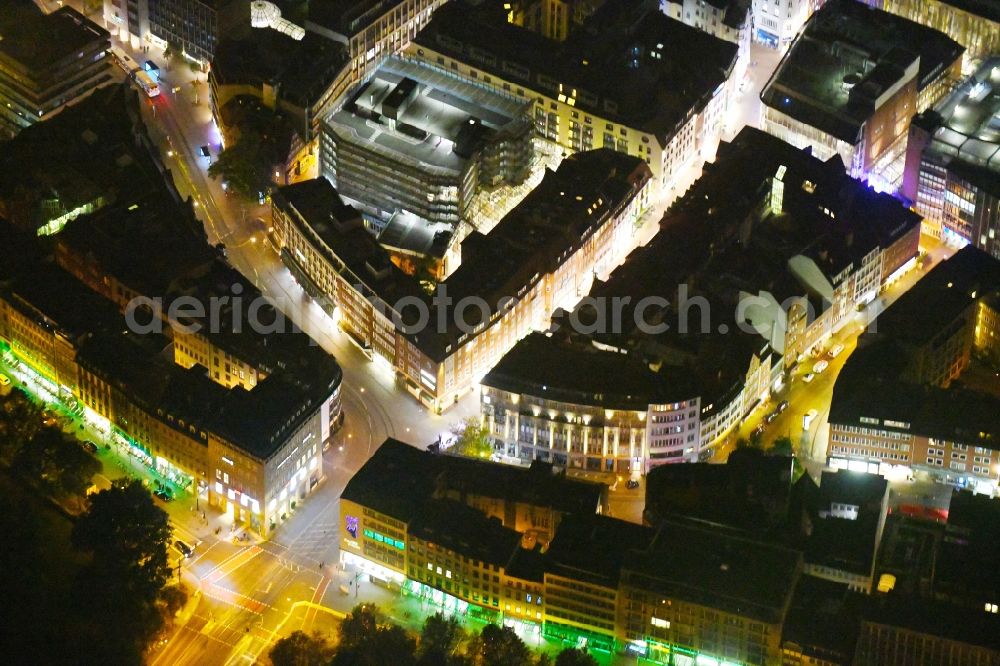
point(850, 84)
point(580, 219)
point(602, 583)
point(626, 397)
point(952, 167)
point(584, 94)
point(975, 24)
point(776, 24)
point(413, 139)
point(924, 423)
point(46, 62)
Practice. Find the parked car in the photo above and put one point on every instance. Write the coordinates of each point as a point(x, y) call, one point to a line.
point(163, 495)
point(632, 484)
point(782, 406)
point(808, 377)
point(836, 350)
point(820, 366)
point(89, 445)
point(769, 419)
point(4, 380)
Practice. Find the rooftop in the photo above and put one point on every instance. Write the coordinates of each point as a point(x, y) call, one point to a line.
point(258, 421)
point(713, 567)
point(348, 17)
point(869, 392)
point(419, 114)
point(399, 478)
point(59, 302)
point(85, 155)
point(751, 492)
point(823, 620)
point(301, 70)
point(594, 548)
point(628, 62)
point(340, 231)
point(966, 126)
point(938, 619)
point(35, 39)
point(847, 58)
point(466, 531)
point(942, 296)
point(575, 373)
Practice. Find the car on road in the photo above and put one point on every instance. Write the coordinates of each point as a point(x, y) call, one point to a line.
point(632, 484)
point(820, 366)
point(184, 548)
point(769, 419)
point(163, 494)
point(808, 377)
point(4, 380)
point(204, 151)
point(782, 406)
point(89, 445)
point(808, 418)
point(836, 350)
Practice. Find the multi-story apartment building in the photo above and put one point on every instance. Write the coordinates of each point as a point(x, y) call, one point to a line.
point(585, 92)
point(923, 343)
point(46, 62)
point(541, 256)
point(777, 24)
point(975, 24)
point(952, 167)
point(412, 140)
point(663, 594)
point(794, 261)
point(850, 84)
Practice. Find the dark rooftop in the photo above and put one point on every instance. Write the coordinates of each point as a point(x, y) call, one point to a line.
point(713, 567)
point(934, 619)
point(628, 62)
point(302, 70)
point(87, 154)
point(869, 386)
point(823, 620)
point(58, 301)
point(751, 492)
point(594, 548)
point(399, 477)
point(35, 39)
point(578, 374)
point(466, 531)
point(845, 38)
point(257, 421)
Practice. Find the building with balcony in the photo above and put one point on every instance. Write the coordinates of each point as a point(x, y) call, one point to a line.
point(47, 61)
point(413, 140)
point(628, 78)
point(952, 167)
point(928, 421)
point(541, 256)
point(850, 83)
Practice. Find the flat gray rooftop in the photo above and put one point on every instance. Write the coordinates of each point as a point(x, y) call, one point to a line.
point(441, 107)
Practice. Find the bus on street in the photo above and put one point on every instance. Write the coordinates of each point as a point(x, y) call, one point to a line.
point(146, 82)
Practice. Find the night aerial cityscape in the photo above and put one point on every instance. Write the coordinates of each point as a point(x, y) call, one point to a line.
point(500, 332)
